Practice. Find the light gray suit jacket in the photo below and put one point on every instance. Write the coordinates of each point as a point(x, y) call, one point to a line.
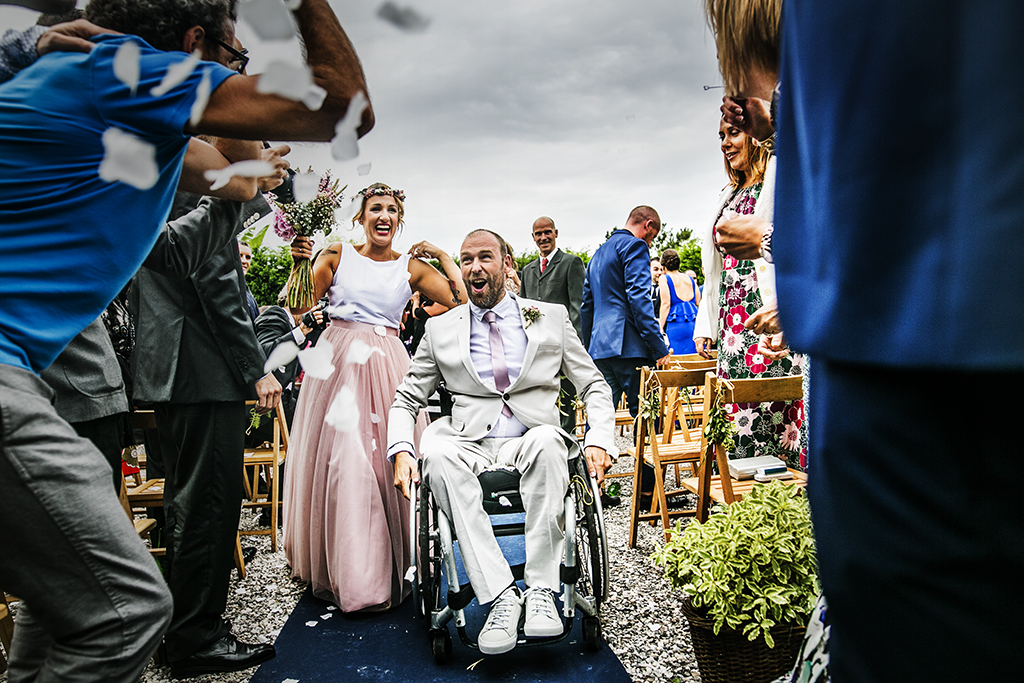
point(552, 348)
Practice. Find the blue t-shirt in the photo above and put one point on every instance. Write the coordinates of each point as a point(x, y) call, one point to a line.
point(899, 219)
point(69, 240)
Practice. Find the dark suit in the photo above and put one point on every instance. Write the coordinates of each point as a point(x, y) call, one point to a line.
point(619, 328)
point(560, 283)
point(196, 359)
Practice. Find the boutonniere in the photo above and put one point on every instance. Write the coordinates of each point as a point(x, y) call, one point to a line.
point(530, 315)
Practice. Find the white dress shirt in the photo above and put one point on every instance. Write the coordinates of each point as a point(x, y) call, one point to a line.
point(513, 339)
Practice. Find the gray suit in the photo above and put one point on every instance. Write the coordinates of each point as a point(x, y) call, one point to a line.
point(454, 449)
point(560, 283)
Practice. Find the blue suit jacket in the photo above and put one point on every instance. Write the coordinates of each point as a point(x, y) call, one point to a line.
point(617, 313)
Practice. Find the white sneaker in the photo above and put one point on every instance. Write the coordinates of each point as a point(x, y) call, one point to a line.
point(541, 614)
point(501, 630)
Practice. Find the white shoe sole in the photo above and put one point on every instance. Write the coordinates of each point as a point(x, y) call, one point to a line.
point(497, 648)
point(543, 629)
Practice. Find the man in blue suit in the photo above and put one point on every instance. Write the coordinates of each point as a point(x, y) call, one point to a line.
point(619, 329)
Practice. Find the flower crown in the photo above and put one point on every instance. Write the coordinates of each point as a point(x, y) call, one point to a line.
point(382, 191)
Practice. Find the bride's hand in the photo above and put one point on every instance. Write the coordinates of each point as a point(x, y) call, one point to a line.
point(302, 247)
point(425, 250)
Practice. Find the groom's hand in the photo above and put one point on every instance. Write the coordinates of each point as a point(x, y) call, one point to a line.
point(406, 471)
point(598, 462)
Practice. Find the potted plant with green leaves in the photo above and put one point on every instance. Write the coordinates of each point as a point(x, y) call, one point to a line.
point(750, 576)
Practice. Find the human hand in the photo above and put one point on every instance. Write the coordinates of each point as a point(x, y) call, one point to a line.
point(703, 345)
point(751, 115)
point(71, 36)
point(268, 394)
point(740, 236)
point(275, 157)
point(426, 250)
point(765, 320)
point(598, 462)
point(772, 346)
point(664, 360)
point(406, 471)
point(317, 315)
point(302, 247)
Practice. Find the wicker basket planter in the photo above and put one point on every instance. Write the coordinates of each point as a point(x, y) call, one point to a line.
point(730, 657)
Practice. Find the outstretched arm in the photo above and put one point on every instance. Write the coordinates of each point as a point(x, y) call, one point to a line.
point(447, 289)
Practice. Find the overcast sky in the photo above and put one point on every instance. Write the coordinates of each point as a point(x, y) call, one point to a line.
point(500, 112)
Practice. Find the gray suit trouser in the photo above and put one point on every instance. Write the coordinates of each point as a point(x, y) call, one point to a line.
point(94, 604)
point(450, 469)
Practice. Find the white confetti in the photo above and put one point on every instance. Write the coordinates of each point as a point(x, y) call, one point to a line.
point(342, 311)
point(410, 575)
point(250, 168)
point(343, 414)
point(314, 97)
point(374, 418)
point(128, 159)
point(282, 355)
point(373, 442)
point(504, 502)
point(304, 186)
point(202, 99)
point(126, 64)
point(311, 624)
point(331, 608)
point(270, 19)
point(359, 352)
point(404, 18)
point(326, 616)
point(345, 144)
point(290, 680)
point(348, 209)
point(316, 360)
point(293, 82)
point(176, 74)
point(364, 169)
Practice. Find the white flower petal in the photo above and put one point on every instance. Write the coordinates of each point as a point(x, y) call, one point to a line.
point(176, 74)
point(284, 79)
point(126, 64)
point(128, 159)
point(270, 19)
point(410, 575)
point(326, 616)
point(404, 18)
point(311, 624)
point(316, 360)
point(345, 144)
point(314, 97)
point(364, 169)
point(374, 418)
point(304, 186)
point(342, 311)
point(359, 352)
point(202, 98)
point(250, 168)
point(282, 355)
point(343, 414)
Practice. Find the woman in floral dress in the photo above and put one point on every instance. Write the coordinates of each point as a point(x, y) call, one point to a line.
point(733, 291)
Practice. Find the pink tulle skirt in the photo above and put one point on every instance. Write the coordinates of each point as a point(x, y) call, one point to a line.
point(346, 526)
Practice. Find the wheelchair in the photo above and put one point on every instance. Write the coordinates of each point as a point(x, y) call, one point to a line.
point(584, 569)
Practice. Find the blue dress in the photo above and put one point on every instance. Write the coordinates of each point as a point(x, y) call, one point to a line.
point(680, 321)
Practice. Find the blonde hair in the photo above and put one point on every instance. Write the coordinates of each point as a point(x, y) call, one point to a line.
point(747, 36)
point(358, 218)
point(757, 163)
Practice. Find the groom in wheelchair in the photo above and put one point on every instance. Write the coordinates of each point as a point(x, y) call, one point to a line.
point(501, 357)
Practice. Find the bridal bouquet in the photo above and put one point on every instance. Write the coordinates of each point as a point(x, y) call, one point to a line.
point(307, 219)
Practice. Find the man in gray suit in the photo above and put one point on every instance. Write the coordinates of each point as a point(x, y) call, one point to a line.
point(500, 356)
point(556, 277)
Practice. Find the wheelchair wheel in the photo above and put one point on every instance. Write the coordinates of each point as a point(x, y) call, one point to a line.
point(441, 645)
point(590, 542)
point(591, 633)
point(428, 574)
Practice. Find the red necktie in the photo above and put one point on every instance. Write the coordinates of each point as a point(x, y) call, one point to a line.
point(543, 264)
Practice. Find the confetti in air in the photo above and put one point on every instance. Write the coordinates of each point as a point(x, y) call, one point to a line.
point(251, 168)
point(343, 414)
point(293, 82)
point(270, 19)
point(202, 98)
point(343, 311)
point(305, 186)
point(359, 352)
point(374, 418)
point(282, 355)
point(128, 159)
point(176, 74)
point(126, 64)
point(404, 18)
point(316, 360)
point(345, 144)
point(364, 169)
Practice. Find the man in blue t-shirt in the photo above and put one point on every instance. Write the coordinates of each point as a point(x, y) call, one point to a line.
point(75, 224)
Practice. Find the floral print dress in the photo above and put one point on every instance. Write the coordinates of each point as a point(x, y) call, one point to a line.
point(762, 428)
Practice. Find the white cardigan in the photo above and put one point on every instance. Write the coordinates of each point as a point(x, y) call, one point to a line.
point(708, 313)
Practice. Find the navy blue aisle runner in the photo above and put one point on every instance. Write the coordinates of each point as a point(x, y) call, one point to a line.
point(320, 643)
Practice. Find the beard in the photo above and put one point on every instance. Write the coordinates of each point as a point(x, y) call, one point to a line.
point(491, 293)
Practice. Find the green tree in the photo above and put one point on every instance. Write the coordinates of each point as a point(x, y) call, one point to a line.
point(268, 273)
point(525, 258)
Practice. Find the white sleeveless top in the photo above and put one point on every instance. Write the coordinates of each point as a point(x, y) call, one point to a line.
point(373, 292)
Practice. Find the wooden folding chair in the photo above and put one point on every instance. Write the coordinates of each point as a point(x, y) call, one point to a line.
point(720, 487)
point(268, 460)
point(668, 448)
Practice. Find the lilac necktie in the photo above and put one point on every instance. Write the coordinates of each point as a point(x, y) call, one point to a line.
point(498, 366)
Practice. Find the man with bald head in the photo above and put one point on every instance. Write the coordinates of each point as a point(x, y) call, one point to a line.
point(556, 277)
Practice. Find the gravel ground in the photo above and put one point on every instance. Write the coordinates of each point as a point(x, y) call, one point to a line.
point(643, 621)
